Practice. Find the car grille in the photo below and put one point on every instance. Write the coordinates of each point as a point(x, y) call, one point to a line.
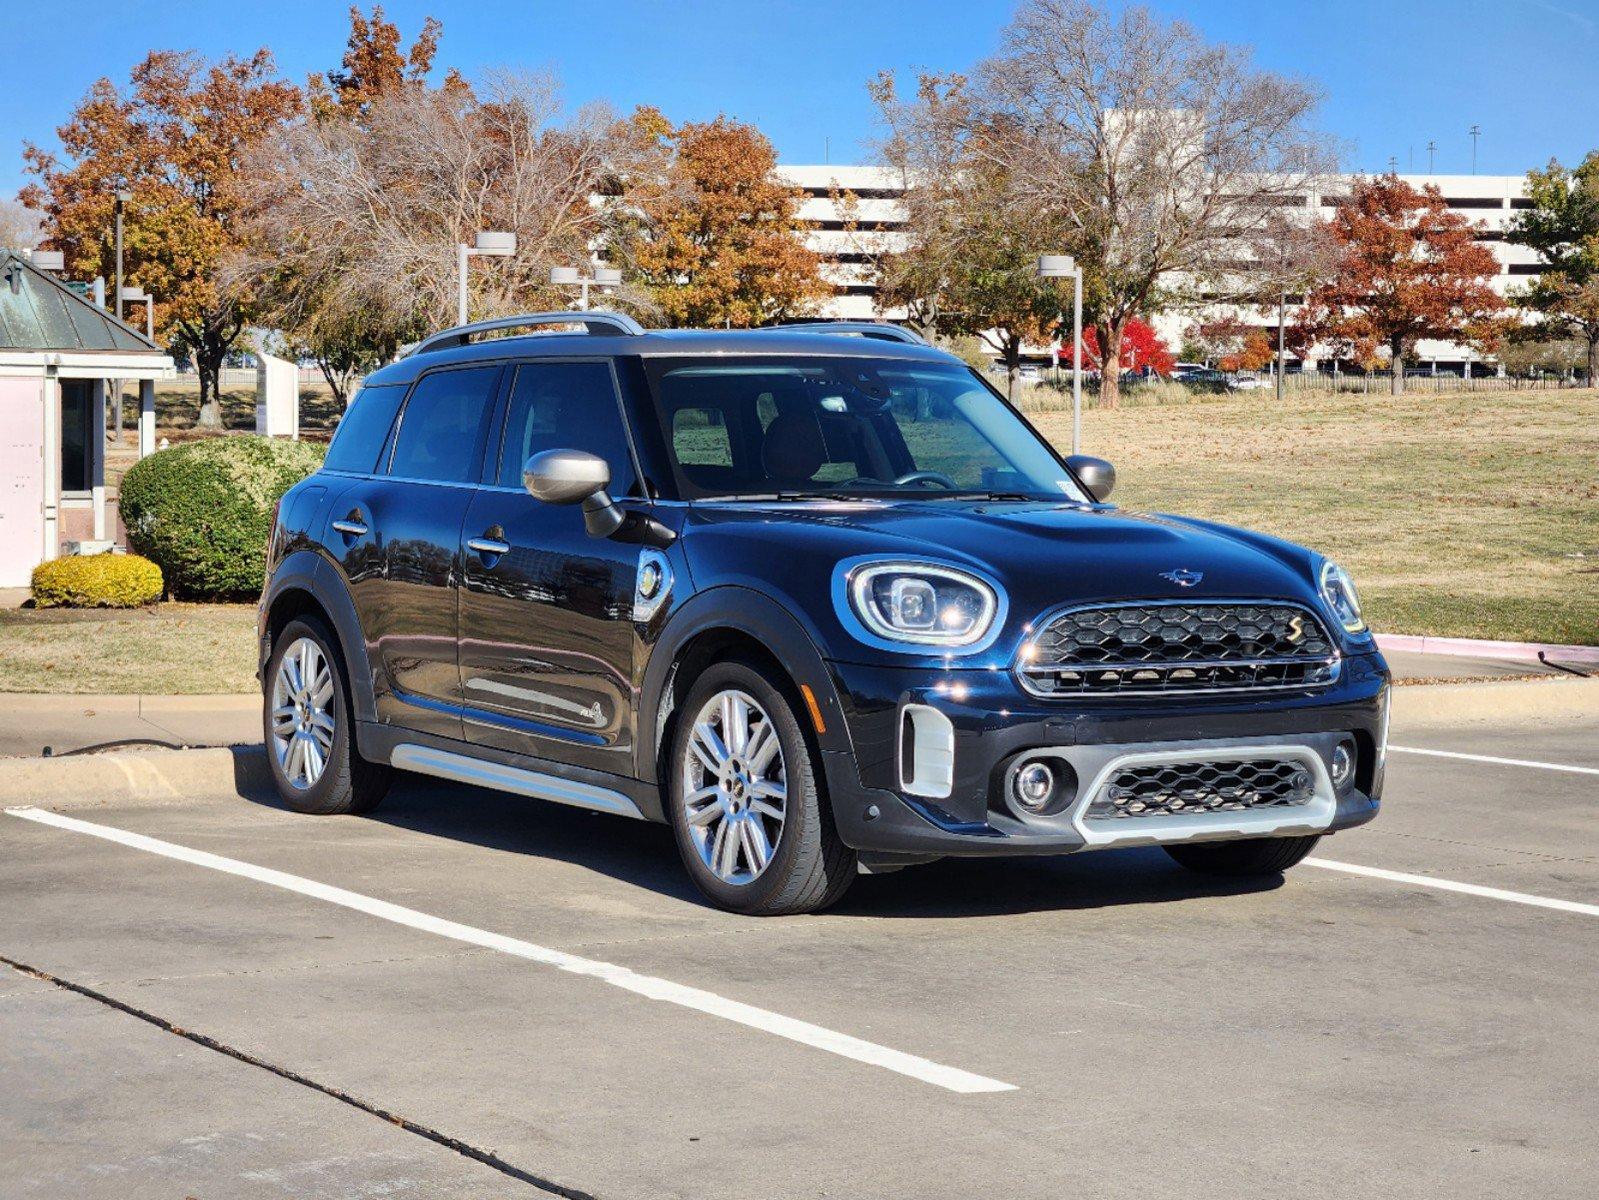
point(1136, 649)
point(1232, 785)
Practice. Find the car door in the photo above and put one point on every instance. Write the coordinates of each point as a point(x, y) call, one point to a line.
point(398, 534)
point(547, 642)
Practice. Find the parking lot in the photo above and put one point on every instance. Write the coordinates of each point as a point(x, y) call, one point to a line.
point(468, 994)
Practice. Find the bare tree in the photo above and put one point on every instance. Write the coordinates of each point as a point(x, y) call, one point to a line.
point(1165, 158)
point(21, 228)
point(359, 222)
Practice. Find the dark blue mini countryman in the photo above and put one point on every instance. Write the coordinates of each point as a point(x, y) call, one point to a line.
point(821, 600)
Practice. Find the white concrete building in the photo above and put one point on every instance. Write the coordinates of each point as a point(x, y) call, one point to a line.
point(1489, 200)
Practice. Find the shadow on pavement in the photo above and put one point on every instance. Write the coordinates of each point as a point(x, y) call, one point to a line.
point(644, 855)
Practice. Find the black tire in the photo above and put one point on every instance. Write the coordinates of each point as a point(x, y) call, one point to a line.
point(1250, 856)
point(348, 783)
point(810, 867)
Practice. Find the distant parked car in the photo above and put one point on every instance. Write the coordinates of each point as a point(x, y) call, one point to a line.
point(1248, 381)
point(1202, 379)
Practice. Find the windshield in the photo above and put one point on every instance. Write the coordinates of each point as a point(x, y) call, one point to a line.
point(846, 426)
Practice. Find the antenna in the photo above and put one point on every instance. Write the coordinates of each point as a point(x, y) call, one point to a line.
point(1432, 148)
point(1476, 132)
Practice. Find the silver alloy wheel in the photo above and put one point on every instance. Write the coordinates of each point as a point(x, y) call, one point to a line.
point(302, 713)
point(735, 786)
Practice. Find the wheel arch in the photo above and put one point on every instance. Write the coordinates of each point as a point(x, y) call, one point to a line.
point(733, 622)
point(303, 583)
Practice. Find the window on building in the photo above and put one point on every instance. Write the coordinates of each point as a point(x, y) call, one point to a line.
point(77, 446)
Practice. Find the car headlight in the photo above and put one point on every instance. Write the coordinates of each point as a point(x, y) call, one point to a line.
point(1338, 590)
point(924, 604)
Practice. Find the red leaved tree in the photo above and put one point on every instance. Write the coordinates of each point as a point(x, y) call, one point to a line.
point(1405, 268)
point(1141, 347)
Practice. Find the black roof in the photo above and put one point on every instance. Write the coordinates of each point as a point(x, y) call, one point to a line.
point(663, 343)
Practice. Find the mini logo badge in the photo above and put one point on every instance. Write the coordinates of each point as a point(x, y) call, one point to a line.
point(1183, 577)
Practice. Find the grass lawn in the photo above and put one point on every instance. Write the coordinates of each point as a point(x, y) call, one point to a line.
point(161, 650)
point(1467, 515)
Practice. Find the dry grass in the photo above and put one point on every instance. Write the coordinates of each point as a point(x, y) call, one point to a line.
point(1468, 514)
point(166, 649)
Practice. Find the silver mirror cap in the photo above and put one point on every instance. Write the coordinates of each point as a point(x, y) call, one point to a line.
point(1097, 476)
point(565, 476)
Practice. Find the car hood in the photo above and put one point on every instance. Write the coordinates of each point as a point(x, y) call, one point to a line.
point(1044, 554)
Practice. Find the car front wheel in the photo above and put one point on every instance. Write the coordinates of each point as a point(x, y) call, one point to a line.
point(747, 805)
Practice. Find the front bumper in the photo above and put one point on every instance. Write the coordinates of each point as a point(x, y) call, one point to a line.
point(992, 723)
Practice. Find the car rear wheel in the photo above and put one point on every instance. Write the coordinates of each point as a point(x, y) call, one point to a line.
point(747, 805)
point(309, 729)
point(1248, 856)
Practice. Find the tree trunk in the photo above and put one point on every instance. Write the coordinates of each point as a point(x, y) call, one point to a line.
point(1593, 359)
point(1110, 362)
point(339, 381)
point(1398, 364)
point(208, 366)
point(1013, 363)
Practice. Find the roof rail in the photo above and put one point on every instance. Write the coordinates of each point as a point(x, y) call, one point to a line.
point(882, 330)
point(600, 322)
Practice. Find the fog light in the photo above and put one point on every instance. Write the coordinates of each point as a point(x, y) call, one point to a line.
point(1034, 786)
point(1343, 765)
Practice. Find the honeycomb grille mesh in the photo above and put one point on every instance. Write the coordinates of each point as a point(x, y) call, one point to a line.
point(1179, 647)
point(1234, 785)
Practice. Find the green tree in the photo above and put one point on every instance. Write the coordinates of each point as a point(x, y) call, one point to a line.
point(1562, 226)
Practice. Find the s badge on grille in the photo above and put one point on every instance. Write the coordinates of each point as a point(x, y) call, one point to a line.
point(1183, 577)
point(1296, 629)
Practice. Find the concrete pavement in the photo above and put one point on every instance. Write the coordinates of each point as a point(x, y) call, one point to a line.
point(29, 723)
point(1167, 1035)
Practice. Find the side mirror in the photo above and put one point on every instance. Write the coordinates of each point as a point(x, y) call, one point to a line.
point(1095, 474)
point(575, 477)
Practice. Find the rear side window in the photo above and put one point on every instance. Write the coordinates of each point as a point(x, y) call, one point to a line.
point(363, 429)
point(438, 438)
point(565, 406)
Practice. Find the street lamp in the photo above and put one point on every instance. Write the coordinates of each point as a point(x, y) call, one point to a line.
point(1059, 266)
point(605, 277)
point(122, 197)
point(135, 295)
point(490, 244)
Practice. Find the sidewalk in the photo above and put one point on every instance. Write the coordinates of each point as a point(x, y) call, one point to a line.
point(29, 723)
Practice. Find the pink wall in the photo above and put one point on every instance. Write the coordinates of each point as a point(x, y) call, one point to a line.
point(21, 479)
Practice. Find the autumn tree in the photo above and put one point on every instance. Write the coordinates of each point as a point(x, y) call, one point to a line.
point(1163, 157)
point(1406, 268)
point(341, 330)
point(1232, 344)
point(706, 228)
point(1141, 347)
point(179, 141)
point(1562, 226)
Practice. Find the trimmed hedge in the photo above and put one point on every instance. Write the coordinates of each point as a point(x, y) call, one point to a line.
point(203, 510)
point(96, 581)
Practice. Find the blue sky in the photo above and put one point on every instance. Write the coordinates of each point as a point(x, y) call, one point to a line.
point(1395, 73)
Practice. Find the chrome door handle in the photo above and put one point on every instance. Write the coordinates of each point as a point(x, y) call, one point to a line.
point(485, 545)
point(353, 528)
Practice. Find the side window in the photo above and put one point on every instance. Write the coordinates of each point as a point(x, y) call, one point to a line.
point(699, 438)
point(363, 429)
point(565, 406)
point(439, 428)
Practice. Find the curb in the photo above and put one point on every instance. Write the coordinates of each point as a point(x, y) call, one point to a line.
point(96, 780)
point(1477, 648)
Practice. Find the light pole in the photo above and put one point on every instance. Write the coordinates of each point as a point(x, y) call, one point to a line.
point(133, 295)
point(489, 244)
point(1059, 266)
point(123, 196)
point(1476, 132)
point(602, 277)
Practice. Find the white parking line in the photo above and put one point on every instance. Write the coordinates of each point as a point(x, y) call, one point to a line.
point(1449, 885)
point(951, 1078)
point(1503, 762)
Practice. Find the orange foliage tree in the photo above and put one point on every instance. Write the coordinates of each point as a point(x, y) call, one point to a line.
point(1141, 347)
point(1405, 268)
point(707, 230)
point(178, 141)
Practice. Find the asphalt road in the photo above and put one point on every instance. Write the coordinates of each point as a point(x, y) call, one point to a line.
point(539, 988)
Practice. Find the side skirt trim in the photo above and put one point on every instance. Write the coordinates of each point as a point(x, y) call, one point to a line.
point(478, 772)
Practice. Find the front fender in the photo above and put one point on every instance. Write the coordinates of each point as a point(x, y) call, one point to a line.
point(757, 616)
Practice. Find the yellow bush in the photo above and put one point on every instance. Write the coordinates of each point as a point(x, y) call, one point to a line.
point(96, 581)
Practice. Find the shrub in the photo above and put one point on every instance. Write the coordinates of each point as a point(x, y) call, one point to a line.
point(96, 581)
point(203, 510)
